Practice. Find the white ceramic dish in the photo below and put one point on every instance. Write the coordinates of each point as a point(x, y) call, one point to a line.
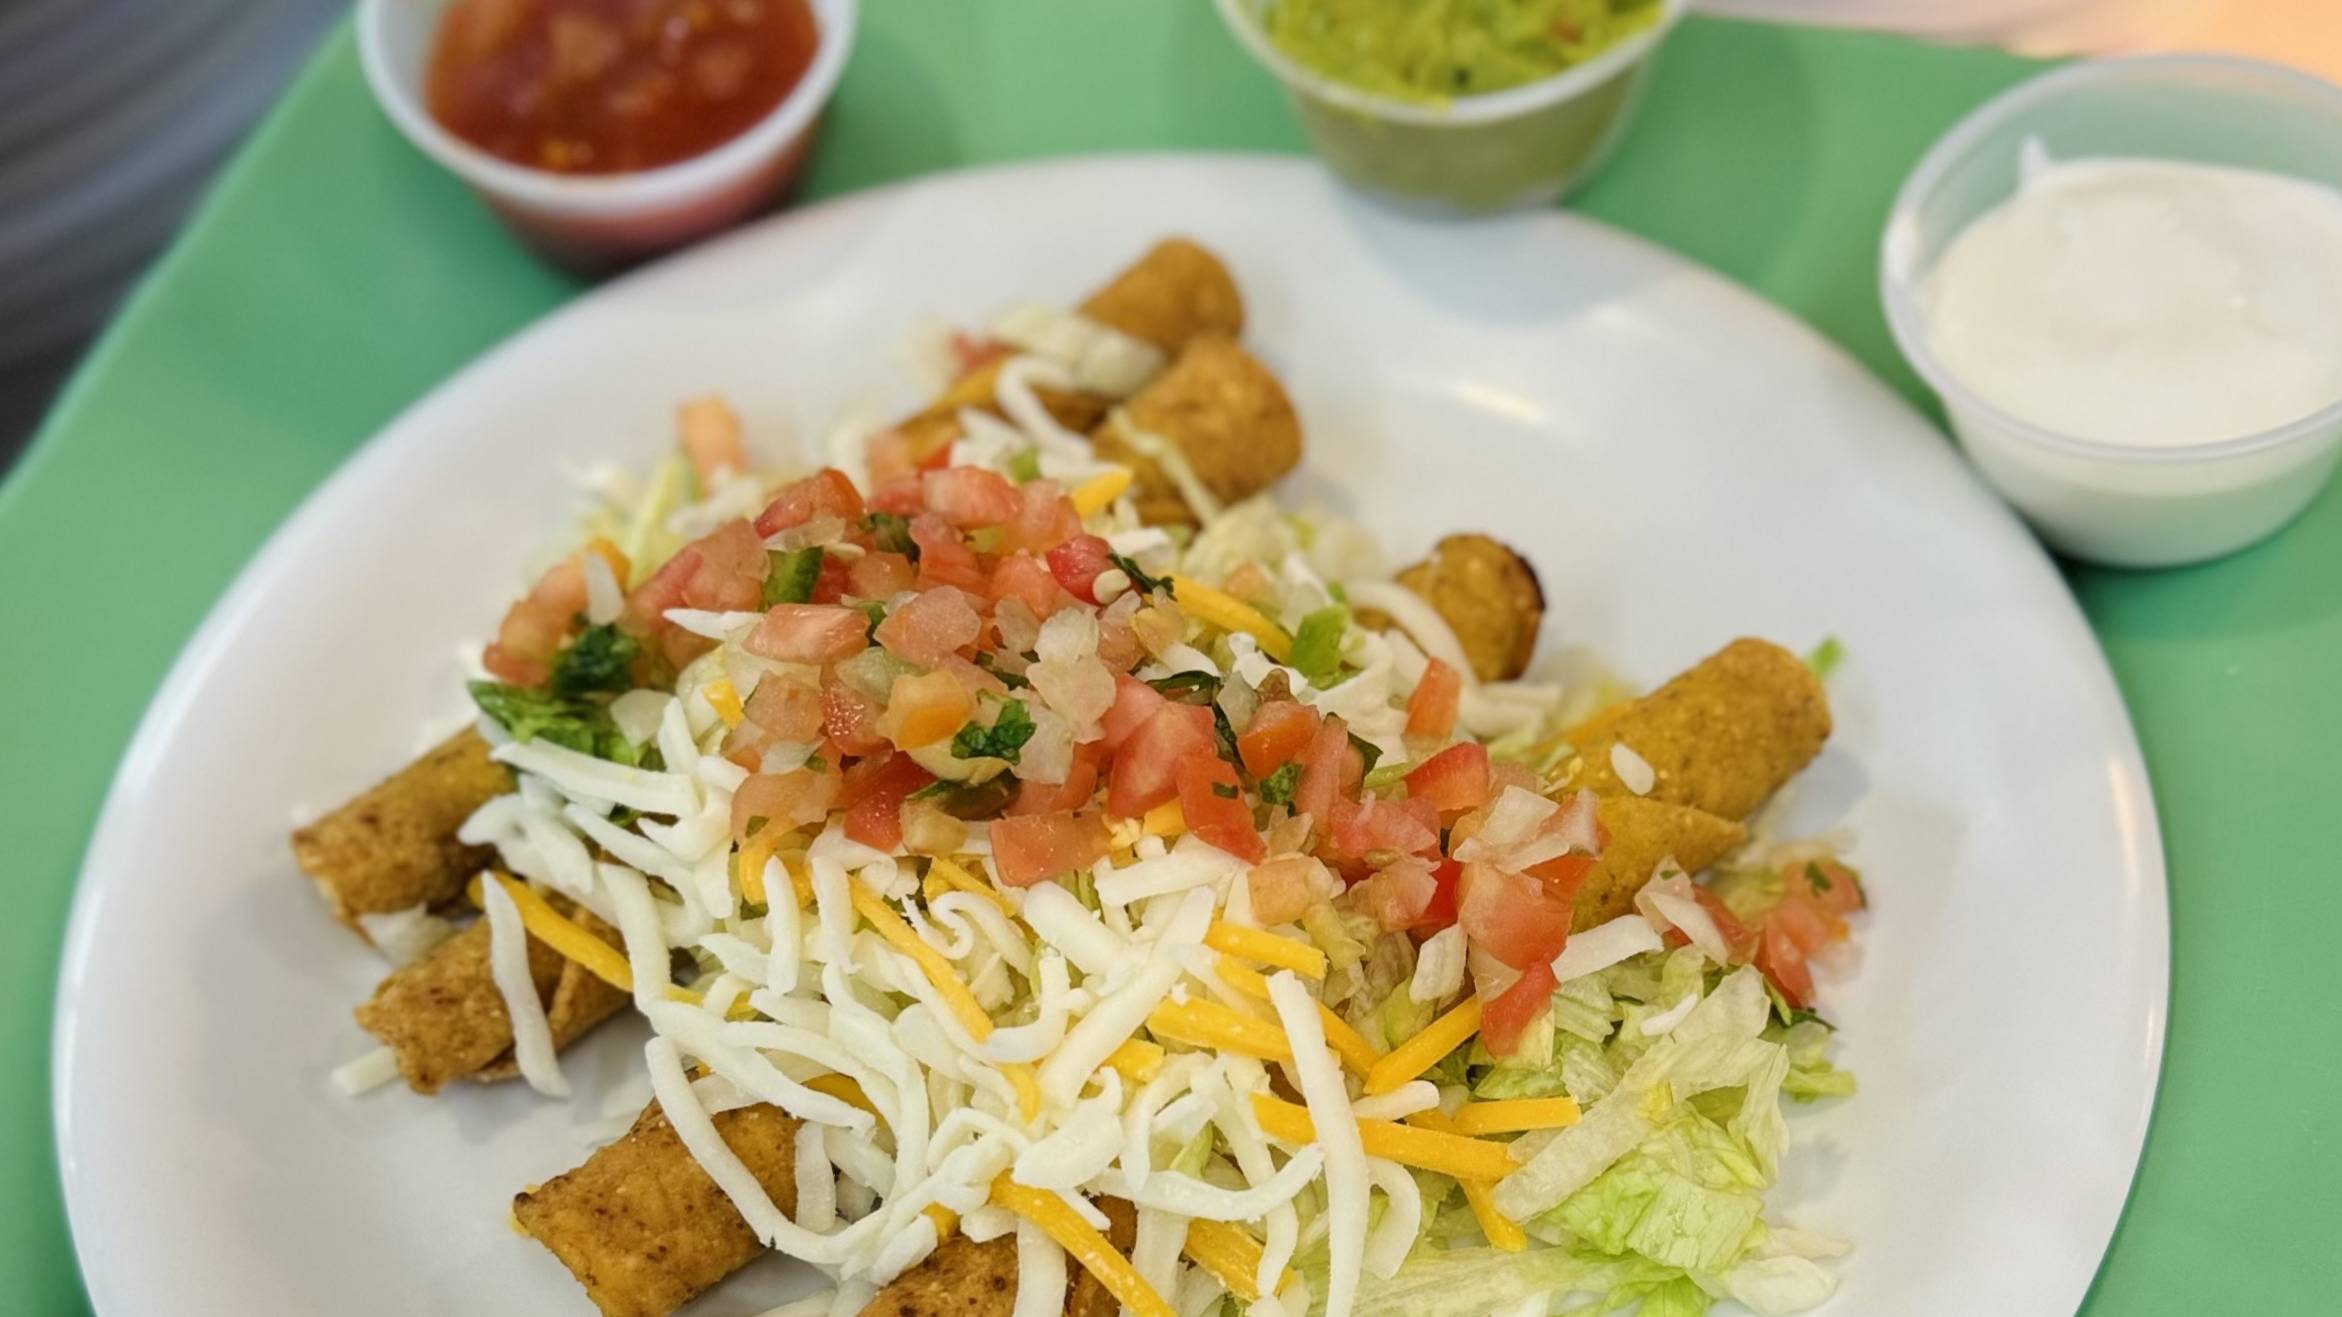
point(594, 220)
point(1684, 463)
point(2126, 505)
point(1522, 147)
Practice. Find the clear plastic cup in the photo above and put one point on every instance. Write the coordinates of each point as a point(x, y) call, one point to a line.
point(596, 221)
point(2111, 503)
point(1524, 146)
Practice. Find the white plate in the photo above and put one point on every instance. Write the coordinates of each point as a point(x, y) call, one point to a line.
point(1684, 463)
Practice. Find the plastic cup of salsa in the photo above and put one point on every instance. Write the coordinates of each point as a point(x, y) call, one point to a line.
point(597, 221)
point(1520, 147)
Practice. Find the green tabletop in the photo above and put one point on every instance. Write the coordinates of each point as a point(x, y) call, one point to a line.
point(335, 275)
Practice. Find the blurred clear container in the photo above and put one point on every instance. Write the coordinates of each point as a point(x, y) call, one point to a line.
point(1524, 146)
point(2111, 503)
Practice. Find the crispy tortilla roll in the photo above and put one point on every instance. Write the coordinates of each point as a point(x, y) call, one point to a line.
point(444, 1017)
point(965, 1279)
point(1223, 412)
point(1722, 736)
point(1178, 292)
point(643, 1228)
point(1174, 294)
point(1642, 833)
point(1489, 597)
point(394, 848)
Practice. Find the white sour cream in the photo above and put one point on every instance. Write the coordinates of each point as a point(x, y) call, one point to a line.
point(2146, 302)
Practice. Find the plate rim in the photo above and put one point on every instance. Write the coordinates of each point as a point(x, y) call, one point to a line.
point(2141, 831)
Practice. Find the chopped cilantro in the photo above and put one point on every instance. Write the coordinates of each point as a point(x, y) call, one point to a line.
point(1004, 739)
point(598, 660)
point(1317, 646)
point(893, 534)
point(991, 663)
point(816, 764)
point(1188, 687)
point(876, 612)
point(1139, 580)
point(568, 721)
point(792, 576)
point(1825, 657)
point(1024, 466)
point(1224, 790)
point(1816, 879)
point(1367, 750)
point(972, 800)
point(1277, 788)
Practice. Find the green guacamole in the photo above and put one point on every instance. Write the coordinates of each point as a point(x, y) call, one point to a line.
point(1435, 50)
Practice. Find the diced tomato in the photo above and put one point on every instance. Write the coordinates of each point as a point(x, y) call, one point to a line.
point(729, 576)
point(536, 624)
point(925, 708)
point(1146, 767)
point(711, 438)
point(1403, 827)
point(1563, 875)
point(1511, 916)
point(1454, 780)
point(1782, 961)
point(1029, 848)
point(1800, 921)
point(826, 493)
point(786, 801)
point(1211, 798)
point(1440, 911)
point(1283, 889)
point(1023, 577)
point(969, 496)
point(1508, 1015)
point(1044, 518)
point(972, 679)
point(873, 795)
point(850, 718)
point(889, 457)
point(835, 580)
point(878, 575)
point(646, 607)
point(944, 557)
point(930, 625)
point(1081, 783)
point(1431, 710)
point(1737, 938)
point(1399, 893)
point(809, 633)
point(1134, 703)
point(1835, 889)
point(1281, 731)
point(903, 498)
point(1077, 563)
point(788, 709)
point(1323, 767)
point(973, 352)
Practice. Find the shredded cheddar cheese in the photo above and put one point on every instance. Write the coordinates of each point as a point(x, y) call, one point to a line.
point(1082, 1242)
point(1093, 495)
point(1267, 948)
point(955, 993)
point(1499, 1228)
point(724, 698)
point(1229, 613)
point(1028, 1089)
point(1423, 1051)
point(1358, 1055)
point(1231, 1256)
point(1164, 820)
point(1515, 1115)
point(1137, 1060)
point(949, 875)
point(1209, 1024)
point(1408, 1145)
point(844, 1090)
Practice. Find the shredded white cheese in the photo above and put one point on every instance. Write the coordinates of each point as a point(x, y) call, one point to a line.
point(508, 965)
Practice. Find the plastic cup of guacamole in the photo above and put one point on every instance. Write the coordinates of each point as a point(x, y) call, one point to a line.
point(1459, 105)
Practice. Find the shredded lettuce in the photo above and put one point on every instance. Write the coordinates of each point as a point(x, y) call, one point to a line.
point(1317, 644)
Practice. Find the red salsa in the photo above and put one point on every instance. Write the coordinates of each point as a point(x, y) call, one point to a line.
point(610, 86)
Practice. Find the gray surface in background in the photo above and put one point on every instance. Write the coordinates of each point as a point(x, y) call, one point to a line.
point(113, 116)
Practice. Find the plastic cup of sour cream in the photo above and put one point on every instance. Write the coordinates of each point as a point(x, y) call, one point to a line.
point(1520, 147)
point(2136, 489)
